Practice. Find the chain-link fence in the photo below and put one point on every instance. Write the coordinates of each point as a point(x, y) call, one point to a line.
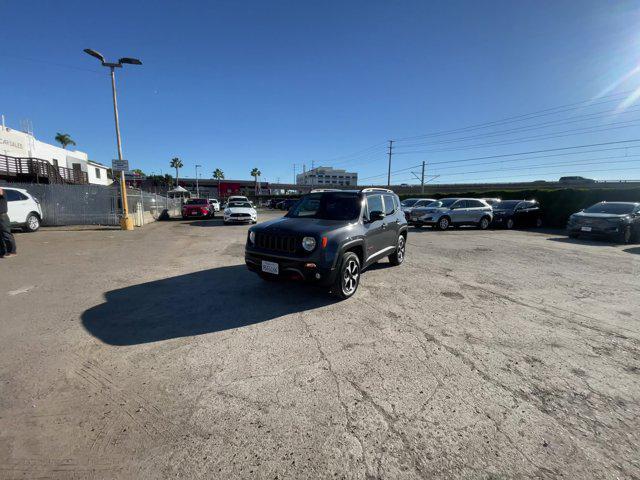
point(95, 204)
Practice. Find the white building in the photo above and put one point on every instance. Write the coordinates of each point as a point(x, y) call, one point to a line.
point(327, 176)
point(17, 144)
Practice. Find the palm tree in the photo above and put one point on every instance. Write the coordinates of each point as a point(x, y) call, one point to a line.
point(255, 173)
point(177, 164)
point(64, 139)
point(218, 175)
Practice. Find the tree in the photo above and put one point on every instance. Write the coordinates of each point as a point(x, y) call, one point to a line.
point(64, 139)
point(255, 173)
point(177, 164)
point(218, 175)
point(138, 172)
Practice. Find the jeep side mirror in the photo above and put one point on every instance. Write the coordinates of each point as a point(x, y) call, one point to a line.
point(376, 215)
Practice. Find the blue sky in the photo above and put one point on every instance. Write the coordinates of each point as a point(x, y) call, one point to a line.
point(235, 85)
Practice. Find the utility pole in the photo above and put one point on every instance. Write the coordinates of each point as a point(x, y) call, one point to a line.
point(422, 179)
point(389, 170)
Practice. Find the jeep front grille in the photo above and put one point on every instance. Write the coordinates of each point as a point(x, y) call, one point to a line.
point(278, 243)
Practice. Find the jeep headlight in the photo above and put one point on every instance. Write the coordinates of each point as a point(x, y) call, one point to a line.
point(309, 243)
point(252, 237)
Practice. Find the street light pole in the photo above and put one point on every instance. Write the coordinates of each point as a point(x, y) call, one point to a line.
point(126, 222)
point(197, 185)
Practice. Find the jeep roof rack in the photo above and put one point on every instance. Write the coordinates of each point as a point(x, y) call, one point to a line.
point(320, 190)
point(376, 189)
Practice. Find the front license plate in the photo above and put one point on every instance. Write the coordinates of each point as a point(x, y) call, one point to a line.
point(586, 229)
point(270, 267)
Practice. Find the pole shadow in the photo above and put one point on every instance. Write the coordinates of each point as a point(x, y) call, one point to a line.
point(194, 304)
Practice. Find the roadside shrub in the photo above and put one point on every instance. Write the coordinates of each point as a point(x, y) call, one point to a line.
point(556, 204)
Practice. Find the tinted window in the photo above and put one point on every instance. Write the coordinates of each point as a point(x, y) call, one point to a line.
point(506, 205)
point(475, 204)
point(374, 203)
point(389, 207)
point(197, 201)
point(614, 208)
point(529, 205)
point(327, 206)
point(14, 195)
point(447, 202)
point(409, 202)
point(459, 204)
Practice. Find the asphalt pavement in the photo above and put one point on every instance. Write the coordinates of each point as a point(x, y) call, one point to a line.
point(156, 354)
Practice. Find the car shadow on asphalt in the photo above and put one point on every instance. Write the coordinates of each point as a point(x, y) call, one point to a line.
point(635, 250)
point(195, 304)
point(211, 222)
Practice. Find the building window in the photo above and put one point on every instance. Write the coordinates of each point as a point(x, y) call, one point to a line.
point(97, 172)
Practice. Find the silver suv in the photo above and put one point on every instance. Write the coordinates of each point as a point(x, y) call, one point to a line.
point(443, 213)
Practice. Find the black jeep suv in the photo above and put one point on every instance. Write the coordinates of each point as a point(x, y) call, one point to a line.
point(328, 237)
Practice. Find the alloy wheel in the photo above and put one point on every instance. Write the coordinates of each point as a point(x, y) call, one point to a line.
point(443, 223)
point(510, 224)
point(34, 223)
point(350, 277)
point(401, 249)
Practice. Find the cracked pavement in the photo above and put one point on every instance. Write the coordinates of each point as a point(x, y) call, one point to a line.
point(156, 354)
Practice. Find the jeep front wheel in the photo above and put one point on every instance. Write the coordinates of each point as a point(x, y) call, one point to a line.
point(348, 277)
point(397, 257)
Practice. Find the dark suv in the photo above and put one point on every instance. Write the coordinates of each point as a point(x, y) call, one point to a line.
point(328, 237)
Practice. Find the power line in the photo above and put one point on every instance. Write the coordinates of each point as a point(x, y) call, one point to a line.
point(505, 155)
point(525, 116)
point(563, 121)
point(566, 133)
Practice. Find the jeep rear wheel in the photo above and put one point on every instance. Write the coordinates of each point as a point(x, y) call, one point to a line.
point(348, 278)
point(397, 257)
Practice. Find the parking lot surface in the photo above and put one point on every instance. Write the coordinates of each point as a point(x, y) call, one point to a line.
point(156, 354)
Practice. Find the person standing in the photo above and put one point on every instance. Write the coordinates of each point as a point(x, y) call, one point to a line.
point(7, 240)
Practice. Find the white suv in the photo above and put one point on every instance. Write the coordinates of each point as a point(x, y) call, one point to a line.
point(23, 209)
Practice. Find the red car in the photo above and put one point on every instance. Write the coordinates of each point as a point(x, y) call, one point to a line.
point(197, 207)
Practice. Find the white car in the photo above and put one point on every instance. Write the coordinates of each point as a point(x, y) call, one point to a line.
point(240, 212)
point(23, 209)
point(411, 203)
point(215, 204)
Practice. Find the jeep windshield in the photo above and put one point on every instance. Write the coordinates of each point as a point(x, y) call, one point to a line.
point(612, 208)
point(327, 206)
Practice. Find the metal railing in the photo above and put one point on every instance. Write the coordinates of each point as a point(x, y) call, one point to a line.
point(37, 169)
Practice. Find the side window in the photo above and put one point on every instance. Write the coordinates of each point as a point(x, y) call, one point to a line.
point(460, 204)
point(396, 202)
point(12, 195)
point(374, 204)
point(474, 204)
point(389, 206)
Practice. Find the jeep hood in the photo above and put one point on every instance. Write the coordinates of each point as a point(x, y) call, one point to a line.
point(301, 226)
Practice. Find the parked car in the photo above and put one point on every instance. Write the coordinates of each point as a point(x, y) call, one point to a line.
point(617, 220)
point(197, 207)
point(517, 213)
point(441, 214)
point(411, 203)
point(273, 202)
point(240, 212)
point(329, 238)
point(215, 204)
point(286, 204)
point(24, 210)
